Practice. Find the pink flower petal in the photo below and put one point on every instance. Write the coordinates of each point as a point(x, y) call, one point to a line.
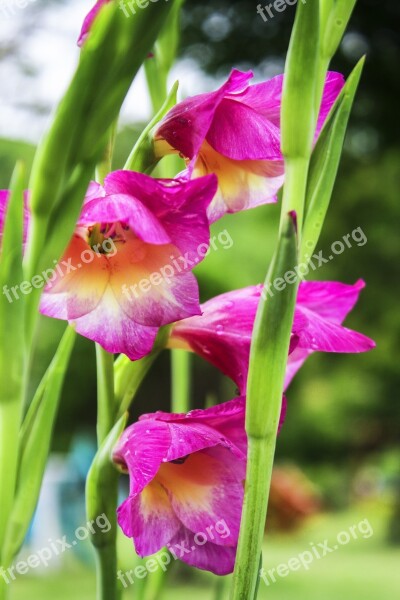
point(179, 205)
point(204, 490)
point(83, 283)
point(115, 331)
point(242, 184)
point(149, 519)
point(256, 138)
point(88, 21)
point(122, 208)
point(141, 449)
point(148, 287)
point(186, 125)
point(222, 334)
point(210, 557)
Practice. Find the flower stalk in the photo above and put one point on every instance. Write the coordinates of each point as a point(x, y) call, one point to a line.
point(272, 329)
point(269, 352)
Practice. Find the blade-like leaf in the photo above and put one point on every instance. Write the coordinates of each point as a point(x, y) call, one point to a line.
point(268, 357)
point(325, 163)
point(111, 57)
point(12, 343)
point(298, 112)
point(34, 445)
point(338, 15)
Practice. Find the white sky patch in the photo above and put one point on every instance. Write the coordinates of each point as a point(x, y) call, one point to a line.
point(38, 73)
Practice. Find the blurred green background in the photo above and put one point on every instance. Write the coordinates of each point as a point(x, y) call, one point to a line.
point(342, 431)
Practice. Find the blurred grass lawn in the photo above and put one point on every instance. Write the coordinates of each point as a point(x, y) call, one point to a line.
point(364, 569)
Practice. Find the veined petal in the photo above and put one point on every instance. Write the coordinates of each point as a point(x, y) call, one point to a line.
point(82, 275)
point(256, 138)
point(334, 83)
point(204, 490)
point(186, 125)
point(179, 205)
point(141, 449)
point(319, 333)
point(265, 98)
point(330, 299)
point(148, 286)
point(114, 330)
point(124, 208)
point(210, 557)
point(149, 519)
point(241, 184)
point(220, 425)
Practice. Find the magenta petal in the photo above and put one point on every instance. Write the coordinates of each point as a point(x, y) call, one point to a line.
point(188, 226)
point(149, 519)
point(334, 83)
point(210, 557)
point(185, 127)
point(174, 299)
point(318, 333)
point(255, 139)
point(222, 334)
point(265, 98)
point(141, 449)
point(179, 205)
point(123, 208)
point(113, 330)
point(222, 425)
point(330, 299)
point(188, 437)
point(208, 500)
point(88, 21)
point(106, 325)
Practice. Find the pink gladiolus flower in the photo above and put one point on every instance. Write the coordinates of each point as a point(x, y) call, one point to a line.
point(235, 133)
point(186, 484)
point(88, 21)
point(127, 270)
point(222, 335)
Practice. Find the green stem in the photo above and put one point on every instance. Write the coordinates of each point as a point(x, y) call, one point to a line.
point(268, 357)
point(180, 371)
point(294, 191)
point(260, 461)
point(106, 555)
point(105, 393)
point(106, 552)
